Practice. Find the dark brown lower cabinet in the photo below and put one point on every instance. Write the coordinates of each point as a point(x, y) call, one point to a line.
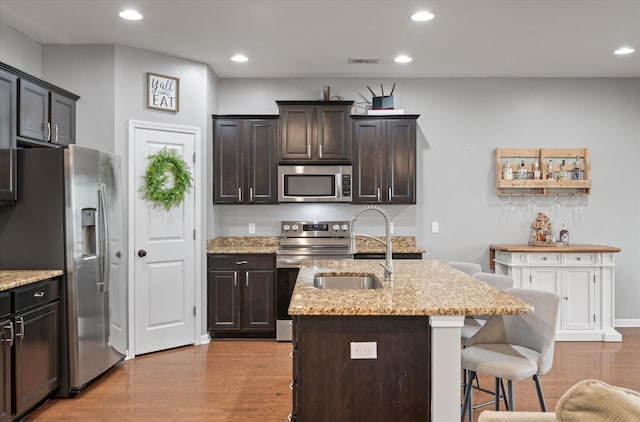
point(30, 347)
point(328, 385)
point(241, 295)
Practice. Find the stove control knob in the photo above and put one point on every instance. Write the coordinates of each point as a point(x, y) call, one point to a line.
point(345, 227)
point(294, 227)
point(335, 227)
point(286, 227)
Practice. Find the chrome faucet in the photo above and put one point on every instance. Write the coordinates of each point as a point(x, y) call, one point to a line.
point(388, 265)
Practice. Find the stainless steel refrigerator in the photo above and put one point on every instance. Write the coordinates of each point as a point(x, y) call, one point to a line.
point(69, 215)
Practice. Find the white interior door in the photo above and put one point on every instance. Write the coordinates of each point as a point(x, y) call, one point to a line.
point(163, 252)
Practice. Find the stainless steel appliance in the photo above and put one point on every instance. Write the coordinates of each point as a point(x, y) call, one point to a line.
point(314, 183)
point(69, 216)
point(302, 240)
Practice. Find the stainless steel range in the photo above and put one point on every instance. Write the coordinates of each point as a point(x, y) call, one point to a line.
point(302, 240)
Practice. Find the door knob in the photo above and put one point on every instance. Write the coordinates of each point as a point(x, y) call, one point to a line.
point(142, 253)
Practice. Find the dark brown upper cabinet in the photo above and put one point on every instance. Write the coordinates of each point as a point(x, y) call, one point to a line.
point(314, 132)
point(8, 111)
point(244, 157)
point(384, 159)
point(46, 115)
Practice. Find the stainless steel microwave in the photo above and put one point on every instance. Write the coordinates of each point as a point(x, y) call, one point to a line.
point(314, 183)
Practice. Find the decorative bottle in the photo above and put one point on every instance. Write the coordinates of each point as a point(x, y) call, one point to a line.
point(522, 171)
point(564, 174)
point(576, 170)
point(536, 170)
point(564, 234)
point(550, 170)
point(507, 172)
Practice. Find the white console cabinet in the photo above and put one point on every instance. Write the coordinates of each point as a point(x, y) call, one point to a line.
point(582, 275)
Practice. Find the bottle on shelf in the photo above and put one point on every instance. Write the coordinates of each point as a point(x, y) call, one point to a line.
point(536, 170)
point(564, 234)
point(577, 175)
point(550, 170)
point(564, 174)
point(522, 171)
point(507, 171)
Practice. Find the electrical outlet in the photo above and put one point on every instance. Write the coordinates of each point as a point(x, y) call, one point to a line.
point(435, 227)
point(252, 228)
point(364, 350)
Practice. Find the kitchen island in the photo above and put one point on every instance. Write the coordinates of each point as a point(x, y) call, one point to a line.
point(411, 325)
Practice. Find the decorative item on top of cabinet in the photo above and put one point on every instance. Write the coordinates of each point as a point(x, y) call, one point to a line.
point(314, 132)
point(241, 295)
point(384, 159)
point(545, 171)
point(244, 159)
point(8, 159)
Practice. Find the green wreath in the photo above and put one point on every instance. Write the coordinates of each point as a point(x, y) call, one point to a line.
point(161, 165)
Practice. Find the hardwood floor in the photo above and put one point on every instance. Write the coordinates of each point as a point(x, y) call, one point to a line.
point(249, 381)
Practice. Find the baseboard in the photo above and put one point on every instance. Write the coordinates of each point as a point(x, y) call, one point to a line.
point(204, 339)
point(627, 323)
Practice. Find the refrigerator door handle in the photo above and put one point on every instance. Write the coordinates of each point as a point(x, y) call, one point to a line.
point(105, 237)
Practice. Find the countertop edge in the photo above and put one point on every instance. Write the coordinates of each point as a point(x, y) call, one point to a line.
point(569, 248)
point(11, 279)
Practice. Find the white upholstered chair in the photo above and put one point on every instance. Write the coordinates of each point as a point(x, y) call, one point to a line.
point(513, 347)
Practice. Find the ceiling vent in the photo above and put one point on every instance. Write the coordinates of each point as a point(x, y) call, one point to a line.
point(359, 60)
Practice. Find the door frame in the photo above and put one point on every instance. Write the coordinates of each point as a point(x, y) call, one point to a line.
point(198, 223)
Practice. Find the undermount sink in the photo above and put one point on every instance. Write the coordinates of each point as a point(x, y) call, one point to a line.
point(346, 281)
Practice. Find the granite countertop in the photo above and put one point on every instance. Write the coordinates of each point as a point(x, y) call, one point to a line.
point(270, 244)
point(10, 279)
point(421, 287)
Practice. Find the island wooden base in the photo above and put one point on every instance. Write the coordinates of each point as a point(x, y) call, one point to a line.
point(329, 385)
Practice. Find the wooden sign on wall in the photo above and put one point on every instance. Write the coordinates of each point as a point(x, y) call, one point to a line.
point(162, 92)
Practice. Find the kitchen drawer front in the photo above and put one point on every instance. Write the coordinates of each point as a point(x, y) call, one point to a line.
point(37, 294)
point(242, 261)
point(514, 258)
point(579, 259)
point(5, 304)
point(545, 258)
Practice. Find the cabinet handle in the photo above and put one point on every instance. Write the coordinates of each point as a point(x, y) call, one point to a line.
point(566, 298)
point(235, 279)
point(246, 279)
point(378, 194)
point(56, 137)
point(578, 258)
point(320, 151)
point(38, 294)
point(20, 321)
point(241, 262)
point(48, 131)
point(250, 194)
point(389, 197)
point(544, 258)
point(10, 339)
point(239, 194)
point(308, 150)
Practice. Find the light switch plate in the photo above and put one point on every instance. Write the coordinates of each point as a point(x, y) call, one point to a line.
point(364, 350)
point(435, 227)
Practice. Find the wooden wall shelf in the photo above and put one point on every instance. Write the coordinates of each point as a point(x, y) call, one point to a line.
point(551, 181)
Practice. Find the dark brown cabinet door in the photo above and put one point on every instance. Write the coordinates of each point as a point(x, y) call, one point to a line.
point(5, 369)
point(37, 361)
point(63, 120)
point(245, 166)
point(223, 300)
point(315, 132)
point(259, 300)
point(8, 110)
point(228, 161)
point(384, 163)
point(401, 161)
point(34, 112)
point(262, 169)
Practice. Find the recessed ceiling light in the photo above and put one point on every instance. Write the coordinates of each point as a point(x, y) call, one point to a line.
point(624, 50)
point(402, 59)
point(130, 15)
point(422, 16)
point(240, 58)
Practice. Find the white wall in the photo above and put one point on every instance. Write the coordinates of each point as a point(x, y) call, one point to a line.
point(462, 122)
point(20, 51)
